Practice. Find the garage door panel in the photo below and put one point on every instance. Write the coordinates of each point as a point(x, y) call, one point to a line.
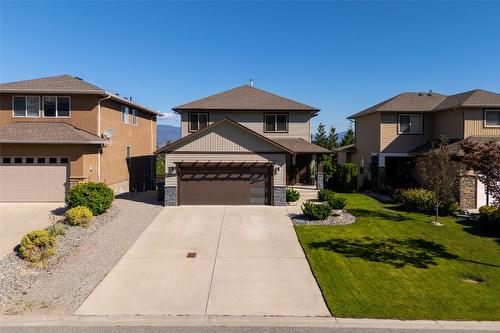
point(33, 182)
point(212, 186)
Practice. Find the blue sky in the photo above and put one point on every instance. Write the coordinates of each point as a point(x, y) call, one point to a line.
point(338, 56)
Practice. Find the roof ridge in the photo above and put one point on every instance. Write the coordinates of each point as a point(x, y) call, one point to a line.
point(209, 96)
point(276, 95)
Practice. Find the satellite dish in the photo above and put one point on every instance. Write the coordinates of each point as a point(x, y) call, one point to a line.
point(108, 133)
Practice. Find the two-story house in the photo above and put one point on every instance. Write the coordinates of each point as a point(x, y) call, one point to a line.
point(58, 131)
point(243, 147)
point(389, 135)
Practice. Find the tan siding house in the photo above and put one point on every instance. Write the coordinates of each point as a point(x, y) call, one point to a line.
point(391, 134)
point(243, 147)
point(65, 121)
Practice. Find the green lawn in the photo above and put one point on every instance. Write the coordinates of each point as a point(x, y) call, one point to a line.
point(392, 264)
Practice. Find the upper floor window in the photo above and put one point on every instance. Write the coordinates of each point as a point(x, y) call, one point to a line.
point(492, 118)
point(197, 121)
point(56, 106)
point(26, 106)
point(410, 123)
point(276, 123)
point(134, 117)
point(125, 111)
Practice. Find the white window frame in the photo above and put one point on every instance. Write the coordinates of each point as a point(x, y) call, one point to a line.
point(421, 115)
point(128, 155)
point(57, 111)
point(134, 117)
point(484, 116)
point(125, 114)
point(276, 122)
point(26, 107)
point(198, 115)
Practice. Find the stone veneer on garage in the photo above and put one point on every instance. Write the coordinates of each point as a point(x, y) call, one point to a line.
point(279, 196)
point(468, 192)
point(170, 195)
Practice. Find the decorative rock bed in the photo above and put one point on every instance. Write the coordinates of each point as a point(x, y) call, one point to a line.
point(17, 275)
point(339, 217)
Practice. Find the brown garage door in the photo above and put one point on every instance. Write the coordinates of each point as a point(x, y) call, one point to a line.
point(202, 185)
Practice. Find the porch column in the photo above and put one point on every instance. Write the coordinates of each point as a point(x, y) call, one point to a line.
point(381, 172)
point(321, 178)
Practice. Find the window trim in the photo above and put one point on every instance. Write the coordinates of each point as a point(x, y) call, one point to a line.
point(57, 111)
point(134, 117)
point(410, 114)
point(125, 115)
point(26, 106)
point(276, 121)
point(484, 118)
point(197, 113)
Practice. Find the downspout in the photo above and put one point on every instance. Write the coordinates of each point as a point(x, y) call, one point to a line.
point(99, 134)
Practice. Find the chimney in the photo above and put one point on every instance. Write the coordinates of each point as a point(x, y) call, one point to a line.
point(251, 82)
point(130, 98)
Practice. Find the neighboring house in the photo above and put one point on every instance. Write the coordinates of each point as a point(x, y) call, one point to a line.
point(243, 146)
point(391, 134)
point(59, 131)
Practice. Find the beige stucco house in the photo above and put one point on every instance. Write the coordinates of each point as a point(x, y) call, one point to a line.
point(390, 134)
point(58, 131)
point(242, 146)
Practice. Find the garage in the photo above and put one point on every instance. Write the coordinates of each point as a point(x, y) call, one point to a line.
point(33, 179)
point(224, 183)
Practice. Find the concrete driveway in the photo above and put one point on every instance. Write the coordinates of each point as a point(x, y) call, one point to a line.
point(248, 262)
point(17, 219)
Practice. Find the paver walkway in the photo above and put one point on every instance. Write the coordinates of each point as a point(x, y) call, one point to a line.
point(248, 262)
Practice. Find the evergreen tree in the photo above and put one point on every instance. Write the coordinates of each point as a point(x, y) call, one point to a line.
point(332, 138)
point(320, 137)
point(348, 138)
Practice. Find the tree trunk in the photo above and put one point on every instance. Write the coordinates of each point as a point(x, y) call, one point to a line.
point(437, 213)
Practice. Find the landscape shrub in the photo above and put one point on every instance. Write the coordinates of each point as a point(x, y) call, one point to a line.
point(55, 230)
point(417, 200)
point(316, 211)
point(345, 178)
point(489, 217)
point(332, 199)
point(98, 197)
point(37, 245)
point(420, 200)
point(79, 216)
point(292, 195)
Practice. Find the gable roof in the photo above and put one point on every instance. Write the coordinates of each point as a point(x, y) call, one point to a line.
point(174, 145)
point(299, 145)
point(430, 102)
point(65, 84)
point(245, 98)
point(53, 133)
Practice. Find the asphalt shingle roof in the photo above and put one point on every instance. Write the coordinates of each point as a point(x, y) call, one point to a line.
point(299, 145)
point(54, 133)
point(245, 98)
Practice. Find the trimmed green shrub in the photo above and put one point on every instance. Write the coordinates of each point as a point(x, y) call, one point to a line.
point(316, 211)
point(37, 245)
point(292, 195)
point(98, 197)
point(55, 230)
point(349, 177)
point(332, 199)
point(80, 216)
point(417, 200)
point(489, 217)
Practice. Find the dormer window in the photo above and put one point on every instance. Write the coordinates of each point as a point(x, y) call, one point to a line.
point(492, 118)
point(410, 123)
point(197, 121)
point(276, 123)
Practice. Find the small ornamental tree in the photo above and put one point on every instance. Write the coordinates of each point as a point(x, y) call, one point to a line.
point(484, 160)
point(440, 174)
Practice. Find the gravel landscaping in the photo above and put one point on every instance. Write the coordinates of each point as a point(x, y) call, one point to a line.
point(339, 217)
point(84, 256)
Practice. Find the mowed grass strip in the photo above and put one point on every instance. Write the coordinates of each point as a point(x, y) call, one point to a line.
point(393, 264)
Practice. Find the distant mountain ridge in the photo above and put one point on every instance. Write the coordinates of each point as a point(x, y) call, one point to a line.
point(165, 133)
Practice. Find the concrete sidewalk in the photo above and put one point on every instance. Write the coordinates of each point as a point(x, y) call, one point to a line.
point(245, 321)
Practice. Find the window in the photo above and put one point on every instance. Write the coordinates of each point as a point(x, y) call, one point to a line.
point(40, 160)
point(52, 160)
point(18, 160)
point(6, 160)
point(492, 118)
point(125, 111)
point(410, 124)
point(56, 106)
point(134, 117)
point(276, 123)
point(197, 121)
point(30, 160)
point(64, 160)
point(128, 152)
point(26, 106)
